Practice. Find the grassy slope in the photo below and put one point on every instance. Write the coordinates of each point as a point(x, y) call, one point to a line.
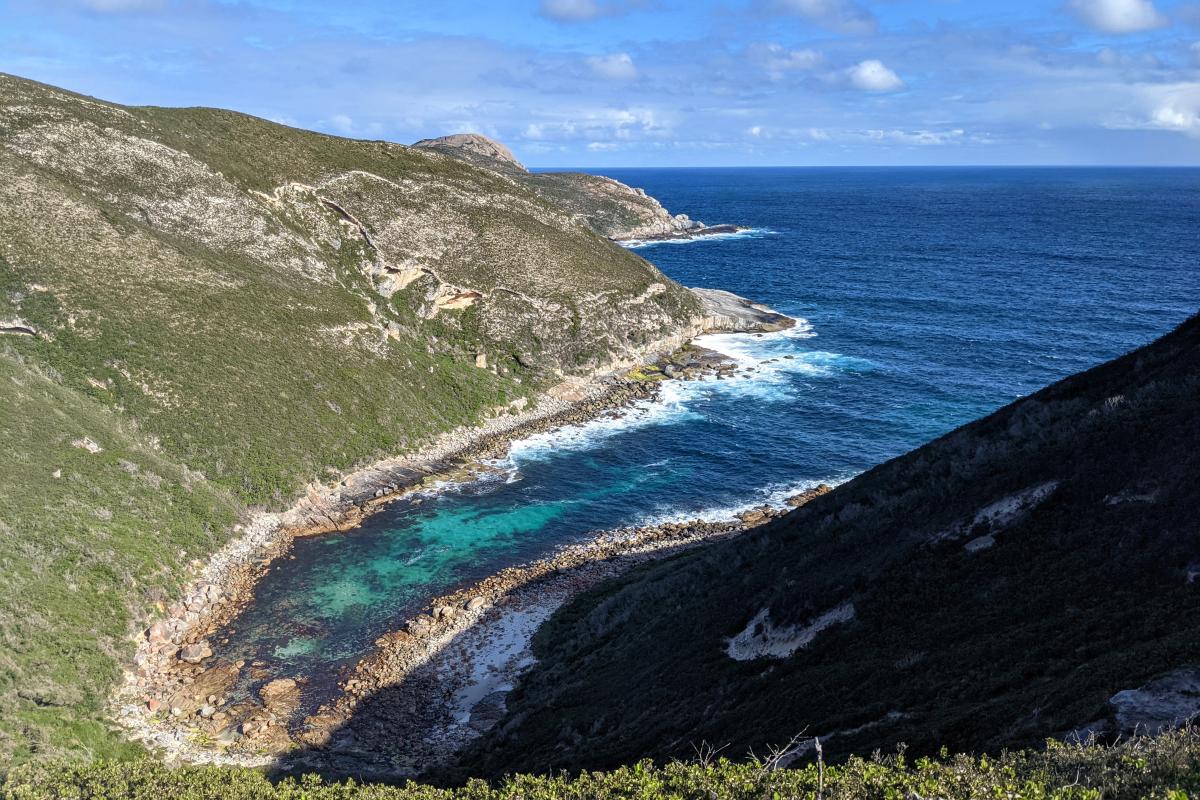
point(1167, 767)
point(1078, 600)
point(233, 346)
point(85, 538)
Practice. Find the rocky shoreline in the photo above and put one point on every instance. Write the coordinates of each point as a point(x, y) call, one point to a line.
point(175, 697)
point(439, 681)
point(697, 230)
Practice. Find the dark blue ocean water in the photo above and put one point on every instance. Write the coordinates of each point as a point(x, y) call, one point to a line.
point(930, 297)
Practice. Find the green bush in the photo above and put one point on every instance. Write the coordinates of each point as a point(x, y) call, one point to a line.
point(1167, 766)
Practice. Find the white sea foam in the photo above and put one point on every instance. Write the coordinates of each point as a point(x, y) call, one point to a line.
point(774, 495)
point(669, 407)
point(766, 364)
point(747, 233)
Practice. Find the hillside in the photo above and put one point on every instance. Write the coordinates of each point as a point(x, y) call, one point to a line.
point(202, 312)
point(611, 208)
point(1030, 574)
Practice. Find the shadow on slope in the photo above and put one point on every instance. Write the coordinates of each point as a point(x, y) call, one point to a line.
point(995, 586)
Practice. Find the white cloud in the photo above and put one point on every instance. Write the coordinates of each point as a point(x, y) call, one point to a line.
point(919, 137)
point(1165, 107)
point(615, 66)
point(345, 125)
point(873, 76)
point(1118, 16)
point(118, 6)
point(601, 125)
point(1173, 118)
point(777, 60)
point(843, 16)
point(586, 10)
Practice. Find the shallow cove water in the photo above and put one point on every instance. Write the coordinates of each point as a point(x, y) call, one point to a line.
point(930, 297)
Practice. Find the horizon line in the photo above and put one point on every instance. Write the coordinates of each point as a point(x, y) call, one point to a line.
point(576, 167)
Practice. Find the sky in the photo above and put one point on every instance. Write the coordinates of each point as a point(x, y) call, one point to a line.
point(605, 83)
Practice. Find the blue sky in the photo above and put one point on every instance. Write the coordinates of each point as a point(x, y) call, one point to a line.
point(598, 83)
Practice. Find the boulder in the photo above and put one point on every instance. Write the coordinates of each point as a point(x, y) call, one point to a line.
point(753, 516)
point(1165, 702)
point(158, 633)
point(195, 653)
point(277, 689)
point(797, 500)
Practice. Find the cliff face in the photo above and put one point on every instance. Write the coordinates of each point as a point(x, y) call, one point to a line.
point(1031, 574)
point(611, 208)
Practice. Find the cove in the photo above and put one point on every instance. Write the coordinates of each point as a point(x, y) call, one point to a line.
point(912, 327)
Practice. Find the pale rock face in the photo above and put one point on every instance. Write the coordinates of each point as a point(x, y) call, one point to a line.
point(1165, 702)
point(473, 144)
point(761, 638)
point(611, 208)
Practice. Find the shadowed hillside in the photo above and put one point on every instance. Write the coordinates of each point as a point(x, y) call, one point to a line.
point(998, 585)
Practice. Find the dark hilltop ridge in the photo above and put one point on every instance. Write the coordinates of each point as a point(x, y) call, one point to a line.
point(1035, 573)
point(620, 212)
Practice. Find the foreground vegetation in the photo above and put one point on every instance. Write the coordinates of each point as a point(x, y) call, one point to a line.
point(1167, 766)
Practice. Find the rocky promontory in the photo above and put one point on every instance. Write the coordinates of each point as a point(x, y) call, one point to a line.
point(613, 209)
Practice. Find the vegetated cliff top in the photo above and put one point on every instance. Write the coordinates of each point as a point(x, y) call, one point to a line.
point(1020, 577)
point(201, 311)
point(611, 208)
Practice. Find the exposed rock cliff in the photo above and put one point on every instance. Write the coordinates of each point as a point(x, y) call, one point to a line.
point(476, 148)
point(611, 208)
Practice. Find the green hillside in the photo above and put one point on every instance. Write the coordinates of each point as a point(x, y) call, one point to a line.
point(230, 309)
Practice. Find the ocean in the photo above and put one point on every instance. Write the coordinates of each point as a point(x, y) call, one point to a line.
point(928, 298)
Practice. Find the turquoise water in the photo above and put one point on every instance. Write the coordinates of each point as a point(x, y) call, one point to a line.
point(929, 297)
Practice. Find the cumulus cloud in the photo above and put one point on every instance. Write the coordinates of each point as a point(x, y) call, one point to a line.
point(843, 16)
point(1118, 16)
point(1173, 118)
point(586, 10)
point(873, 76)
point(1165, 107)
point(615, 66)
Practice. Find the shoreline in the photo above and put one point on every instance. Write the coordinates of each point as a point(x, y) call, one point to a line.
point(682, 235)
point(432, 687)
point(172, 696)
point(172, 650)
